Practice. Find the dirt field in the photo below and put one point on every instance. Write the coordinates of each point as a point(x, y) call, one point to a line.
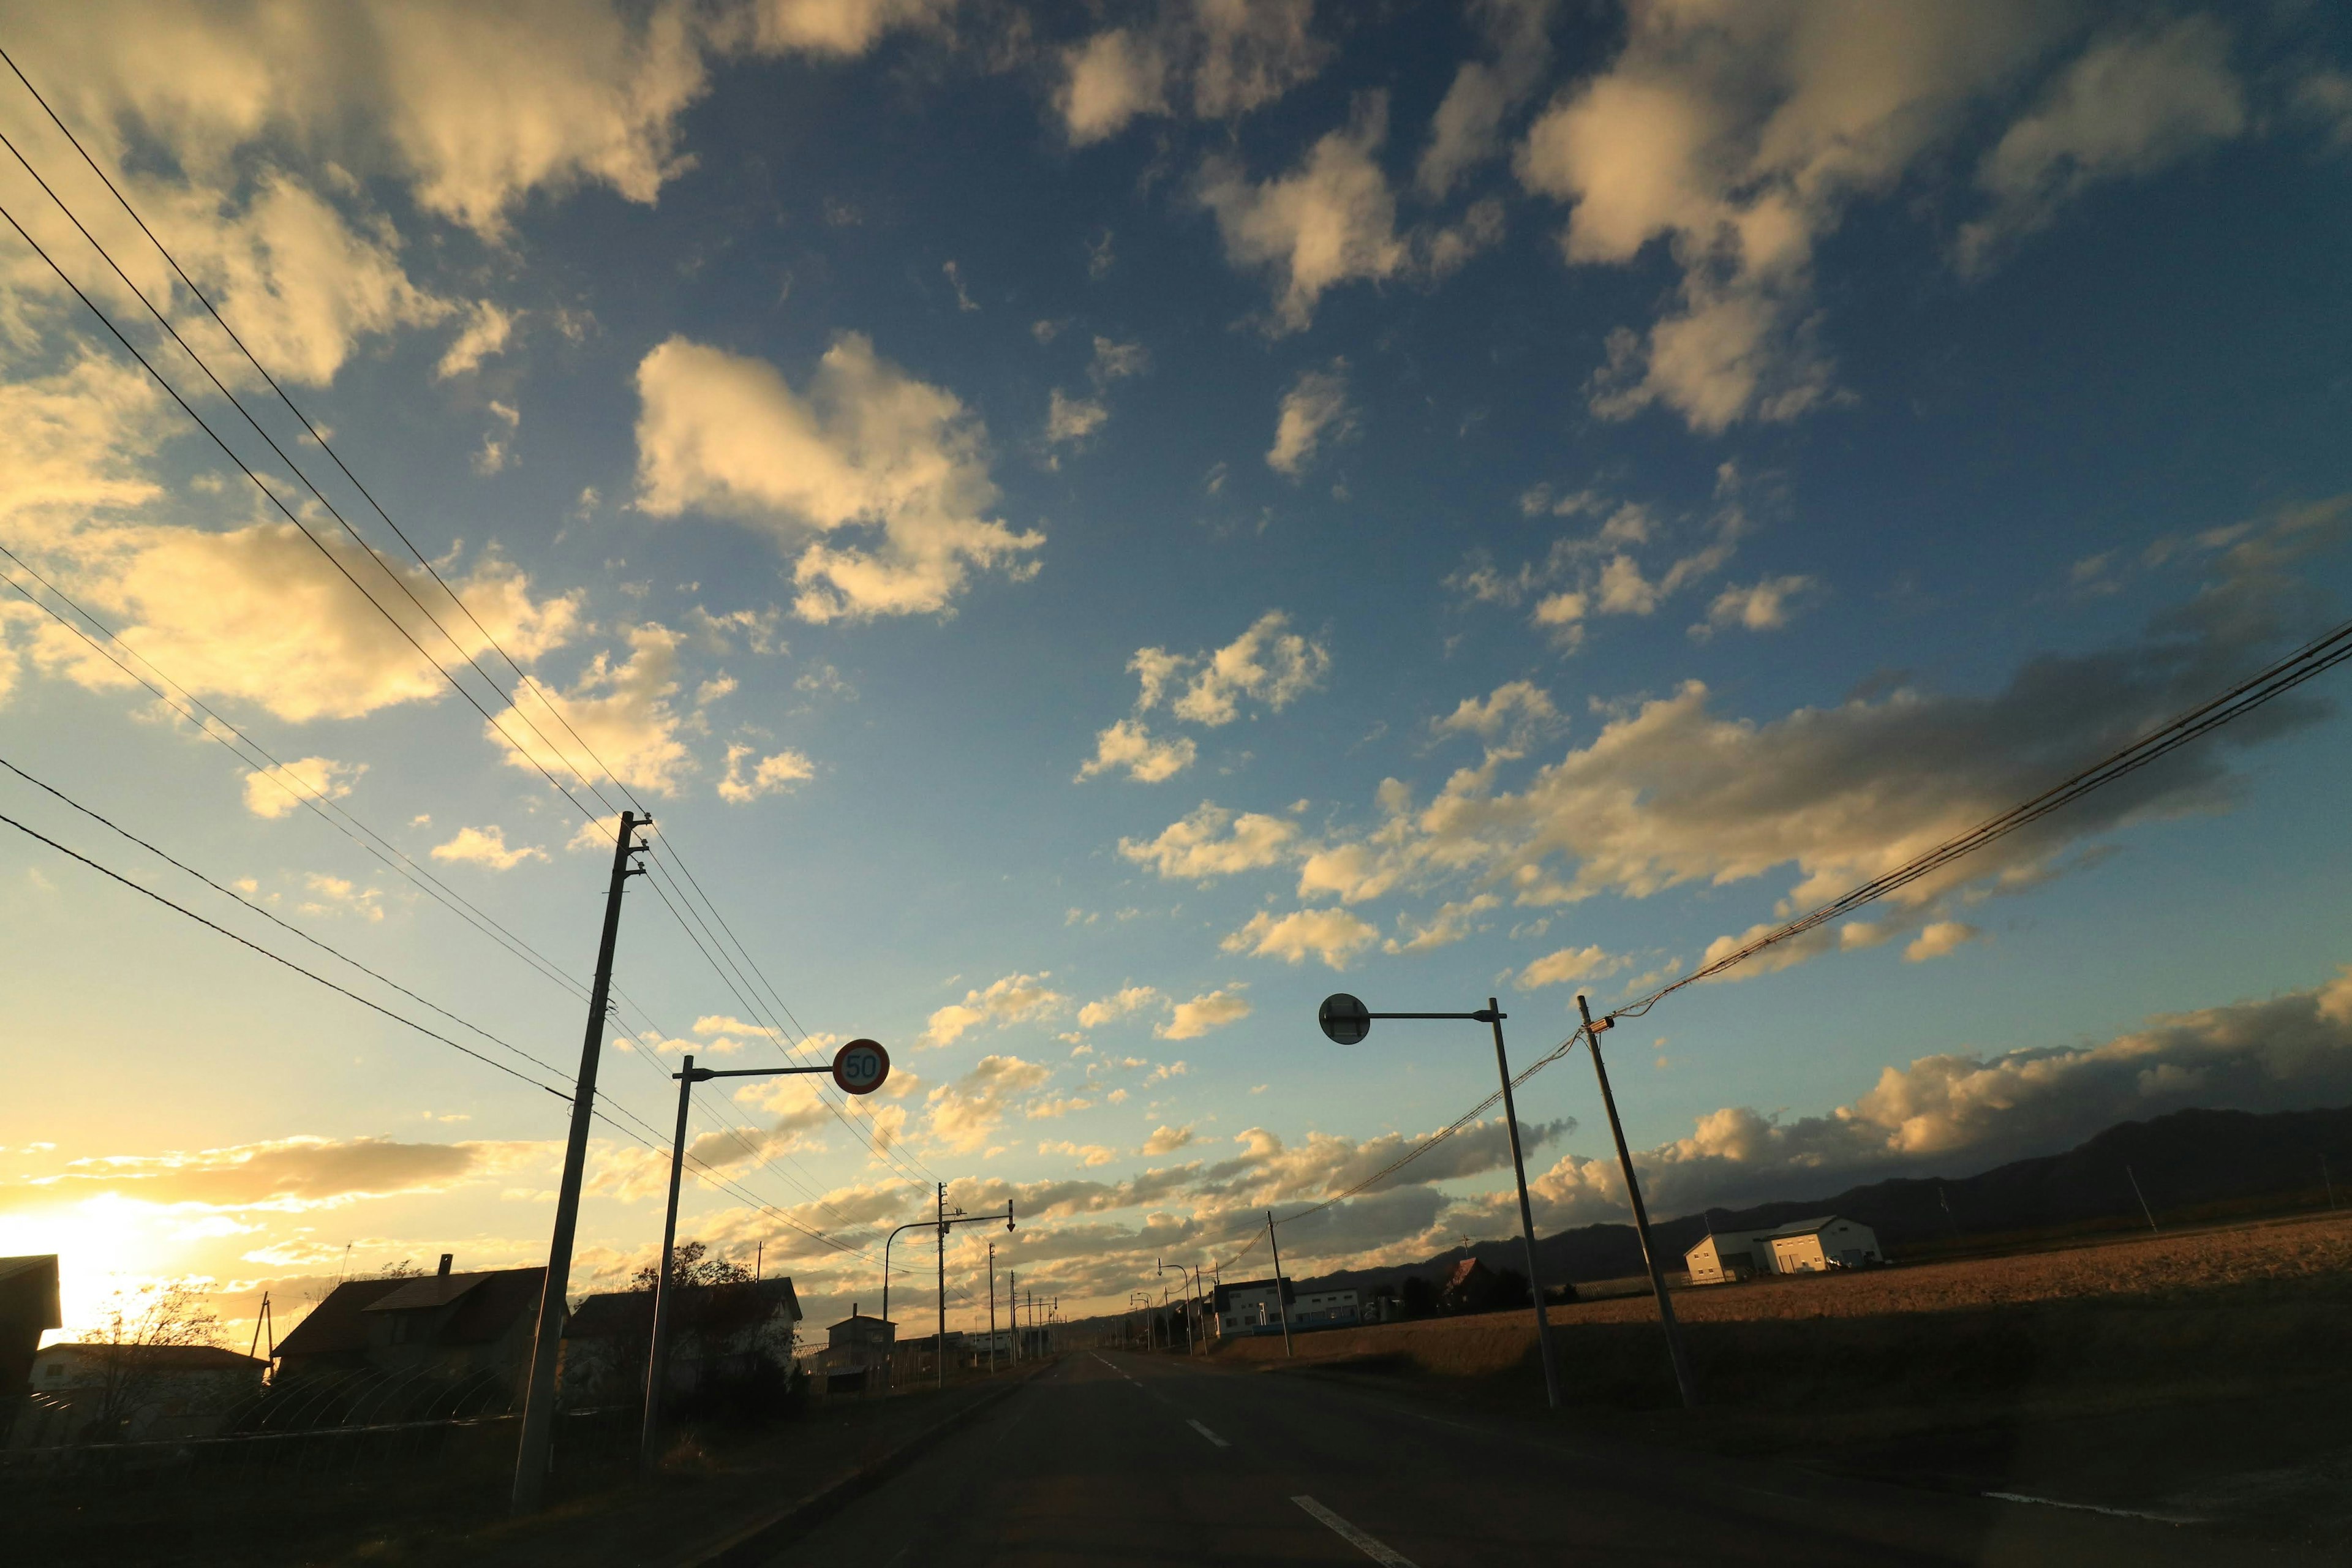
point(2202, 1373)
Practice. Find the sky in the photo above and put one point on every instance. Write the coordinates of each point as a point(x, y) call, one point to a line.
point(1090, 528)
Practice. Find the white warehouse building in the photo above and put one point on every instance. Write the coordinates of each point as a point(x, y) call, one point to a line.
point(1801, 1247)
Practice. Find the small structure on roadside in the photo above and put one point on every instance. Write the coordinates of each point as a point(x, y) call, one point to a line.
point(1801, 1247)
point(28, 1308)
point(444, 1325)
point(718, 1334)
point(856, 1354)
point(130, 1393)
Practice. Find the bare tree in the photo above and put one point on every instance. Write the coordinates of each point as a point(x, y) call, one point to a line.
point(138, 1325)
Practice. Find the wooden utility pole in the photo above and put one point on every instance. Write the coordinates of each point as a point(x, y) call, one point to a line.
point(939, 1345)
point(1684, 1379)
point(539, 1396)
point(1280, 1305)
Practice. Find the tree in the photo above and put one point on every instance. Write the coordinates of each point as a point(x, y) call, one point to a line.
point(161, 1316)
point(689, 1266)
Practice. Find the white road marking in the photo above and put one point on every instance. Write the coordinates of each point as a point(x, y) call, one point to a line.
point(1212, 1437)
point(1354, 1537)
point(2095, 1508)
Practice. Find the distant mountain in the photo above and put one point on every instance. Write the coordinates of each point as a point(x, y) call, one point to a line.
point(2189, 1161)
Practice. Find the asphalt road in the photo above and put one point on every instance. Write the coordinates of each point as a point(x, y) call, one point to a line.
point(1114, 1458)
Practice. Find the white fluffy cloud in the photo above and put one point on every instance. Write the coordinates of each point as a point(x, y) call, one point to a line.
point(1268, 664)
point(486, 846)
point(1334, 936)
point(622, 709)
point(1016, 998)
point(1577, 966)
point(1213, 842)
point(2133, 104)
point(1228, 56)
point(1209, 1010)
point(1316, 409)
point(311, 778)
point(962, 1115)
point(1118, 1005)
point(867, 450)
point(748, 779)
point(1130, 745)
point(1332, 220)
point(1764, 605)
point(1466, 129)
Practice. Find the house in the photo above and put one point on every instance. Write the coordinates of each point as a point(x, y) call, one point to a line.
point(28, 1307)
point(1471, 1288)
point(1727, 1256)
point(1826, 1242)
point(445, 1325)
point(856, 1354)
point(1248, 1306)
point(1326, 1310)
point(129, 1393)
point(716, 1332)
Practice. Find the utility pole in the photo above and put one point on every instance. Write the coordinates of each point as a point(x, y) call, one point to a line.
point(1013, 1308)
point(538, 1397)
point(939, 1345)
point(991, 1309)
point(1527, 1214)
point(1683, 1378)
point(2142, 1197)
point(1280, 1305)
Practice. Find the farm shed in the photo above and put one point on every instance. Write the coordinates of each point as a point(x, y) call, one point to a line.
point(1729, 1256)
point(1814, 1245)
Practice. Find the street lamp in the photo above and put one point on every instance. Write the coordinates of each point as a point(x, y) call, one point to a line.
point(1192, 1312)
point(1347, 1021)
point(858, 1068)
point(941, 1222)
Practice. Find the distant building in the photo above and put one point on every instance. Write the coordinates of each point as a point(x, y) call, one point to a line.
point(1801, 1247)
point(28, 1308)
point(1471, 1288)
point(856, 1354)
point(716, 1332)
point(1813, 1246)
point(1248, 1306)
point(133, 1393)
point(445, 1324)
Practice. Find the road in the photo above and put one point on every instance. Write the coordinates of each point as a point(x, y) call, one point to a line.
point(1117, 1458)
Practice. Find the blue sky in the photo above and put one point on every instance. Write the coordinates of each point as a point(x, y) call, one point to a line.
point(1094, 526)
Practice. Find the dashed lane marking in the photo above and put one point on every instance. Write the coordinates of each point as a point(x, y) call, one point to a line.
point(2097, 1508)
point(1212, 1437)
point(1375, 1550)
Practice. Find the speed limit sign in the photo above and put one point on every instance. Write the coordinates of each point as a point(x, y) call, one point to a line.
point(860, 1067)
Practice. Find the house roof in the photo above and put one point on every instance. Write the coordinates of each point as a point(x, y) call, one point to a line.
point(1804, 1227)
point(488, 1304)
point(176, 1358)
point(32, 1280)
point(862, 1318)
point(1465, 1271)
point(721, 1308)
point(432, 1290)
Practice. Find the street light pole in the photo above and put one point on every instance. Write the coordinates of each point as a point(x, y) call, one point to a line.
point(657, 1356)
point(547, 1342)
point(1346, 1021)
point(1684, 1380)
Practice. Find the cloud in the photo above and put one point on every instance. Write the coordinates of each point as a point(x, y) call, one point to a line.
point(1115, 361)
point(866, 449)
point(1268, 663)
point(1517, 706)
point(340, 895)
point(1453, 922)
point(1166, 1140)
point(1958, 1111)
point(770, 775)
point(1213, 842)
point(1330, 221)
point(488, 328)
point(1070, 420)
point(1571, 966)
point(1332, 935)
point(1016, 998)
point(1118, 1005)
point(1739, 135)
point(1601, 573)
point(1315, 407)
point(1234, 55)
point(287, 1174)
point(1109, 80)
point(1466, 129)
point(962, 1115)
point(486, 846)
point(312, 777)
point(1764, 605)
point(1673, 792)
point(623, 713)
point(1130, 745)
point(2135, 102)
point(1939, 938)
point(1209, 1010)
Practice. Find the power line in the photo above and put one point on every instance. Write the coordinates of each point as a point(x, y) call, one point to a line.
point(848, 1121)
point(2314, 657)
